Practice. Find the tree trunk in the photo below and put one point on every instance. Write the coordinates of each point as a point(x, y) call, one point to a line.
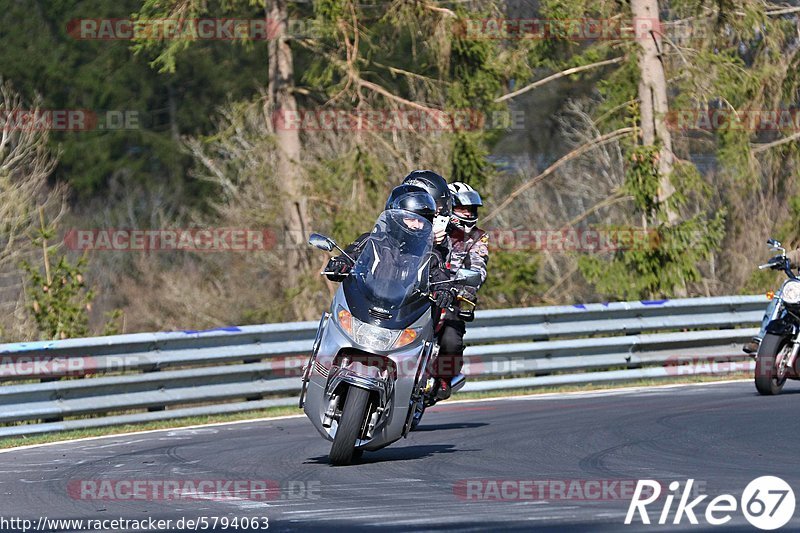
point(653, 94)
point(289, 174)
point(653, 102)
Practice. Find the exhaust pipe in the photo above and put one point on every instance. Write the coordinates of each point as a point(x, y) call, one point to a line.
point(457, 382)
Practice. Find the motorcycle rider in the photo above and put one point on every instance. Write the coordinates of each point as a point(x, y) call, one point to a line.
point(436, 186)
point(409, 198)
point(470, 250)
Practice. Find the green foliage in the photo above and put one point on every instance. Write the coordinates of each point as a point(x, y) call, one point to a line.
point(60, 306)
point(660, 266)
point(476, 80)
point(115, 321)
point(60, 300)
point(42, 57)
point(670, 259)
point(512, 280)
point(468, 162)
point(642, 177)
point(618, 90)
point(278, 308)
point(350, 187)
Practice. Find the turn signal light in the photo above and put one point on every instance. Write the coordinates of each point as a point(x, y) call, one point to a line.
point(406, 337)
point(345, 320)
point(770, 295)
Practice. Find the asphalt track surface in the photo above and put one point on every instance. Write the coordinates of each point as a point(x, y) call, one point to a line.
point(720, 435)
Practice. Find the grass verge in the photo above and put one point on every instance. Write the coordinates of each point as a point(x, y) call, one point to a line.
point(271, 412)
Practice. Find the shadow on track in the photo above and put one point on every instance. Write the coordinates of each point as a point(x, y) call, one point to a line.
point(445, 427)
point(406, 453)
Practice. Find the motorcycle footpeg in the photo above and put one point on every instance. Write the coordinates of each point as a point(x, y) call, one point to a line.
point(457, 382)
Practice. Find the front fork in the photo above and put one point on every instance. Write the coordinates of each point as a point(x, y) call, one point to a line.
point(790, 361)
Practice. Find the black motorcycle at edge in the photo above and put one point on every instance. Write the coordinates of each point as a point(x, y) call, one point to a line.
point(776, 359)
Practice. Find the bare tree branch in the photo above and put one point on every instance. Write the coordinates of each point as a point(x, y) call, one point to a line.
point(757, 148)
point(556, 76)
point(599, 141)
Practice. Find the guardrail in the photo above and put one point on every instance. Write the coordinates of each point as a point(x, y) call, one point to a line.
point(102, 381)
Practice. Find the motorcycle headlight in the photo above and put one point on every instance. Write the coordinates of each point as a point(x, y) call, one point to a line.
point(374, 337)
point(790, 293)
point(371, 336)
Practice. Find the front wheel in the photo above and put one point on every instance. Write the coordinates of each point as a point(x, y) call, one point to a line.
point(771, 360)
point(350, 423)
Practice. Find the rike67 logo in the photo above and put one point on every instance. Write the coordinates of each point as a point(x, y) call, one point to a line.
point(767, 503)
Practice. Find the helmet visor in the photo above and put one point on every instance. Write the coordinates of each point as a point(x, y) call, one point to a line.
point(467, 198)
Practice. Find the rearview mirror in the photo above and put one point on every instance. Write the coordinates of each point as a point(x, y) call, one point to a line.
point(321, 241)
point(775, 245)
point(469, 277)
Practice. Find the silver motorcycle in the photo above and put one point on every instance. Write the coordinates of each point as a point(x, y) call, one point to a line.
point(368, 379)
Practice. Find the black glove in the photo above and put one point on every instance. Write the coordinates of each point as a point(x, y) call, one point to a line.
point(467, 315)
point(444, 299)
point(337, 268)
point(438, 274)
point(777, 262)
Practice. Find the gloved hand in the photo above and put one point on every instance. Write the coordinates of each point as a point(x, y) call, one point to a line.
point(337, 268)
point(777, 262)
point(444, 299)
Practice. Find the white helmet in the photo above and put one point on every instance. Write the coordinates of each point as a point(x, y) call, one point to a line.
point(465, 196)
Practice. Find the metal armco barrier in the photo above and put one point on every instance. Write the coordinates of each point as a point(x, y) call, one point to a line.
point(101, 381)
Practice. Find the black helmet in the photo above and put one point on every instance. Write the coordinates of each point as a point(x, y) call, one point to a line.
point(436, 186)
point(465, 196)
point(414, 199)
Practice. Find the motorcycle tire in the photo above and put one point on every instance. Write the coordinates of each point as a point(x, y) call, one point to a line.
point(768, 379)
point(350, 424)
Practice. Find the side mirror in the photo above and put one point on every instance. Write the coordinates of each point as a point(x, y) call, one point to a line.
point(776, 246)
point(321, 241)
point(468, 277)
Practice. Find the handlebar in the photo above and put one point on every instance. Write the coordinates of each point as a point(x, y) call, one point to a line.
point(779, 262)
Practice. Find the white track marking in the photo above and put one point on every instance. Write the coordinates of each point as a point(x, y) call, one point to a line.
point(545, 396)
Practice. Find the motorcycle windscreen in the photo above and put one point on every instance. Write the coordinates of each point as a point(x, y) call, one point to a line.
point(392, 270)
